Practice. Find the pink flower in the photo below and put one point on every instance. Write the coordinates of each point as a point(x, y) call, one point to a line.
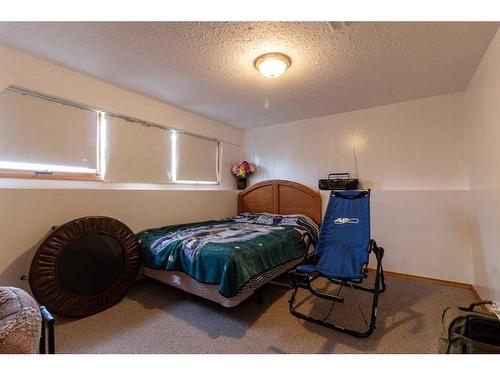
point(234, 169)
point(242, 170)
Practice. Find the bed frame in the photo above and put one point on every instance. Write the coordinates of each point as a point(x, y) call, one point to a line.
point(272, 196)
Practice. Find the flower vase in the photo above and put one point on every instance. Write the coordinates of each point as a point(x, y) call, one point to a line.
point(241, 182)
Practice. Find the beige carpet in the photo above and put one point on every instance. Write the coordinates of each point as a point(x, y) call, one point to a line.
point(155, 318)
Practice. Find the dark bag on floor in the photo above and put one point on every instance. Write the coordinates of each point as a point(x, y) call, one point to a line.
point(468, 330)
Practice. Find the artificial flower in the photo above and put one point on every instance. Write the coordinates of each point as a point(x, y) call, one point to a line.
point(242, 170)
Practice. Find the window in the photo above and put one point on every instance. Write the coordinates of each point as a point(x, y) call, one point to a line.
point(43, 138)
point(46, 137)
point(136, 153)
point(195, 160)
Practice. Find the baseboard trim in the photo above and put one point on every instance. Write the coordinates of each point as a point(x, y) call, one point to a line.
point(432, 280)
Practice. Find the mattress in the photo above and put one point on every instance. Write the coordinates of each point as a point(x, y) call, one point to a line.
point(229, 255)
point(180, 280)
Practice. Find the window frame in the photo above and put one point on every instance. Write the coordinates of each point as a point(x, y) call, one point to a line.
point(45, 173)
point(174, 165)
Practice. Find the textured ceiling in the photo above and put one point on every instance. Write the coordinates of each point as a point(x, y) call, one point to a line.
point(207, 68)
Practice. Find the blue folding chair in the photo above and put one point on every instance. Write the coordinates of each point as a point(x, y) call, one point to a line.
point(342, 255)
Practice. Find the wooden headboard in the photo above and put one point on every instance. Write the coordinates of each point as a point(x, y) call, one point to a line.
point(281, 197)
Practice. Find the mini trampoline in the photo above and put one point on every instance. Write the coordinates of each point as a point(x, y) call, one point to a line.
point(85, 266)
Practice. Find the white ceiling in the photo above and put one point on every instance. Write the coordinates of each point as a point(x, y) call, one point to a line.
point(207, 68)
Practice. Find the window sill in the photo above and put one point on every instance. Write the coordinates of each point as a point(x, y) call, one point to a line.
point(96, 184)
point(53, 176)
point(192, 182)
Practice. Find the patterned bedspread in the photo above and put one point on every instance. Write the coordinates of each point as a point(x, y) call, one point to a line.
point(227, 252)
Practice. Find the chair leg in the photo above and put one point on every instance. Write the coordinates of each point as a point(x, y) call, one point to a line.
point(47, 321)
point(379, 253)
point(382, 279)
point(42, 346)
point(379, 278)
point(51, 337)
point(376, 290)
point(335, 327)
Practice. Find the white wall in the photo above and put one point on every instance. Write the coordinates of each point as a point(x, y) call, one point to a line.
point(412, 154)
point(30, 207)
point(482, 120)
point(39, 75)
point(28, 214)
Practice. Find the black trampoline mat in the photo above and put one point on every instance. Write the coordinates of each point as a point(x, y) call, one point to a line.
point(85, 266)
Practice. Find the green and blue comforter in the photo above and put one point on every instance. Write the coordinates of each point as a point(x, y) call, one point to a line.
point(228, 252)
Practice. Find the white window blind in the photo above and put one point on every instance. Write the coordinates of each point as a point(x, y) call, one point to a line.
point(136, 153)
point(37, 134)
point(194, 159)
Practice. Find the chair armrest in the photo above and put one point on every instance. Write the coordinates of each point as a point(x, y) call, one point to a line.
point(46, 315)
point(378, 251)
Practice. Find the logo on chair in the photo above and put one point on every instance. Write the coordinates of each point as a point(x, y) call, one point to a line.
point(346, 220)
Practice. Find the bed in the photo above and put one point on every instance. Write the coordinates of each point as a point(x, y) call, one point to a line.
point(226, 261)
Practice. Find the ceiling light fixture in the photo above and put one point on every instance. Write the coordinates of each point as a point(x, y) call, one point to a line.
point(272, 65)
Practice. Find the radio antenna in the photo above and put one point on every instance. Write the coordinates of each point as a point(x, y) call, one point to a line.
point(354, 154)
